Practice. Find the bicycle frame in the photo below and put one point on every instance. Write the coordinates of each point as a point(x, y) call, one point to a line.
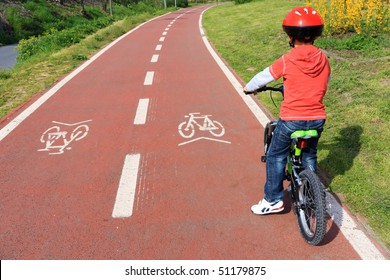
point(207, 123)
point(294, 160)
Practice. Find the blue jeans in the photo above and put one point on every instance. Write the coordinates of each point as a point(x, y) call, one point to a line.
point(278, 152)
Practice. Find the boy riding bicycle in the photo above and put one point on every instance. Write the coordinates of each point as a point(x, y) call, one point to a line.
point(305, 71)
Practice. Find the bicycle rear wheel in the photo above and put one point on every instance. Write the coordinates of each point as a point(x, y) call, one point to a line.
point(311, 208)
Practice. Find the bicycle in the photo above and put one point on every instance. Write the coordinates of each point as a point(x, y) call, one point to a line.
point(58, 140)
point(306, 192)
point(204, 123)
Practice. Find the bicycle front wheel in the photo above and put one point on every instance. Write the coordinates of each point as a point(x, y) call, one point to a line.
point(219, 129)
point(268, 131)
point(311, 208)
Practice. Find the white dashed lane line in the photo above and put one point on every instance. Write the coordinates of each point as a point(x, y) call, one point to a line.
point(149, 78)
point(154, 58)
point(124, 202)
point(142, 111)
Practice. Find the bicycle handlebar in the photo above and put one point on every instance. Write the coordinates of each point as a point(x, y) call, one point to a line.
point(265, 88)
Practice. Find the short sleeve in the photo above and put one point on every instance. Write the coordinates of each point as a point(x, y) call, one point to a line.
point(277, 68)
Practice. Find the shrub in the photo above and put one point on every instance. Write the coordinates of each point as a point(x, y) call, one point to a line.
point(368, 17)
point(54, 39)
point(179, 3)
point(237, 2)
point(23, 23)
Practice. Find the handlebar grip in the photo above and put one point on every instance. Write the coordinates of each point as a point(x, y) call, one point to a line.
point(265, 88)
point(250, 92)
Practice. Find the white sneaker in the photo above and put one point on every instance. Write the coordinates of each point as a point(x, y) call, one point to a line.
point(264, 207)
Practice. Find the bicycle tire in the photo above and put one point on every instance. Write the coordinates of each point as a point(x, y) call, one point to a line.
point(267, 137)
point(46, 135)
point(311, 213)
point(220, 129)
point(186, 133)
point(79, 132)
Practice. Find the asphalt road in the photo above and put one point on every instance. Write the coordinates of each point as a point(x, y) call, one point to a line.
point(147, 151)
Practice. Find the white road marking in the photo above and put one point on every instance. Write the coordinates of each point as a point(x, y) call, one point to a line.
point(124, 202)
point(158, 47)
point(361, 243)
point(341, 217)
point(142, 111)
point(204, 138)
point(149, 78)
point(166, 29)
point(58, 138)
point(154, 58)
point(162, 39)
point(164, 33)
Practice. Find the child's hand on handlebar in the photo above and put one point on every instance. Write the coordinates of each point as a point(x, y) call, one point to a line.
point(256, 91)
point(246, 91)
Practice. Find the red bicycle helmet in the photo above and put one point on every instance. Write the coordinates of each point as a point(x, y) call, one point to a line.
point(303, 22)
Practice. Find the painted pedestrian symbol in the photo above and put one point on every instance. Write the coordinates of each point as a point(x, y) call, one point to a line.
point(200, 123)
point(57, 139)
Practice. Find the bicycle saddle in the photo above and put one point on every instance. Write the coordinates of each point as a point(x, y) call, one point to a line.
point(305, 134)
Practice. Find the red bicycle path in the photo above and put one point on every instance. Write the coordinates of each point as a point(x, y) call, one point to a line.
point(192, 197)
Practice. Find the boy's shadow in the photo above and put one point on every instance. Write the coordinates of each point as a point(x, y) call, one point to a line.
point(343, 149)
point(342, 152)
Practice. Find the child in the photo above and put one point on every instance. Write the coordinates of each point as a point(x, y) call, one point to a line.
point(305, 71)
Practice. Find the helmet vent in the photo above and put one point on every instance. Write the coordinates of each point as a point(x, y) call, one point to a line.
point(302, 22)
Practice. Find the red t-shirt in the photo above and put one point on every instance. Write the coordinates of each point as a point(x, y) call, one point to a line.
point(305, 71)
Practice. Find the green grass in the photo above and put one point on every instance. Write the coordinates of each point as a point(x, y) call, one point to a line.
point(354, 152)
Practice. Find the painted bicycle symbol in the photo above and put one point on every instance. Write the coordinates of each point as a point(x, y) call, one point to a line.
point(57, 139)
point(203, 123)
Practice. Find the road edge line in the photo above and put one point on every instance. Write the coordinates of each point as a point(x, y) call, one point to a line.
point(343, 220)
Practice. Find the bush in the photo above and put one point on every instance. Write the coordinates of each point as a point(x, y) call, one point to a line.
point(23, 23)
point(54, 39)
point(238, 2)
point(179, 3)
point(34, 18)
point(368, 17)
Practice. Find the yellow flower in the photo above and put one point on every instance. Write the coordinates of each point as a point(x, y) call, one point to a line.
point(368, 16)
